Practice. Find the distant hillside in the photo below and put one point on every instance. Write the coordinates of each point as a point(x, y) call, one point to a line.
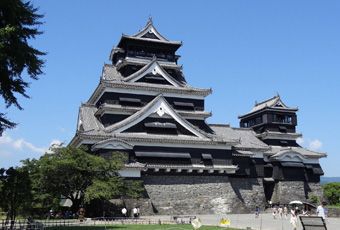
point(325, 180)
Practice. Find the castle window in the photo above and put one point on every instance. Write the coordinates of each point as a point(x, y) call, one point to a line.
point(161, 128)
point(184, 105)
point(130, 101)
point(282, 118)
point(284, 143)
point(245, 124)
point(252, 122)
point(165, 125)
point(206, 156)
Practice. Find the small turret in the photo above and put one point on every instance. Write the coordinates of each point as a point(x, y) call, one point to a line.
point(273, 121)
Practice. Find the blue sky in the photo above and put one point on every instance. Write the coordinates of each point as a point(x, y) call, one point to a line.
point(243, 50)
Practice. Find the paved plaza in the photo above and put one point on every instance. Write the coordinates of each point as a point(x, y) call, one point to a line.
point(264, 222)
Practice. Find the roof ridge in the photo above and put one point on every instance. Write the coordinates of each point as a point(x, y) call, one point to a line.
point(149, 27)
point(221, 125)
point(87, 104)
point(310, 150)
point(242, 128)
point(267, 100)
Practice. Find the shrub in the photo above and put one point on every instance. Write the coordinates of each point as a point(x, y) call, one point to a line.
point(314, 199)
point(331, 192)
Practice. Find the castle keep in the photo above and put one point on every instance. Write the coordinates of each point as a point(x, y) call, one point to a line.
point(144, 107)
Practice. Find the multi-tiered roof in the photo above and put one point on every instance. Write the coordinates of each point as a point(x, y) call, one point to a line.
point(143, 99)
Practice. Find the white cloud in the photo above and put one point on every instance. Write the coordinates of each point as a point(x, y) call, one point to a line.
point(21, 144)
point(5, 139)
point(62, 129)
point(315, 144)
point(15, 145)
point(13, 150)
point(312, 144)
point(300, 141)
point(55, 142)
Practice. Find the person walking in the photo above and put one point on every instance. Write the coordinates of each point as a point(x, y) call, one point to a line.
point(293, 218)
point(320, 210)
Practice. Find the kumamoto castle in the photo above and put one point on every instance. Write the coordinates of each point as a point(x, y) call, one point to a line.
point(144, 107)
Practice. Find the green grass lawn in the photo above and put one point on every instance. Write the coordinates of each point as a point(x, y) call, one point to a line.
point(138, 227)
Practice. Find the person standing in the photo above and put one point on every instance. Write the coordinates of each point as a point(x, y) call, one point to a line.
point(257, 212)
point(135, 212)
point(280, 210)
point(285, 212)
point(274, 212)
point(138, 211)
point(320, 210)
point(124, 212)
point(81, 214)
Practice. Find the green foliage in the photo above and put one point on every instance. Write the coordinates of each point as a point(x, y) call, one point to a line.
point(19, 22)
point(331, 192)
point(74, 174)
point(314, 199)
point(134, 189)
point(15, 192)
point(104, 189)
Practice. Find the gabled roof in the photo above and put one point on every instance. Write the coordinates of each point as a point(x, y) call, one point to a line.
point(153, 68)
point(149, 28)
point(272, 103)
point(150, 33)
point(160, 106)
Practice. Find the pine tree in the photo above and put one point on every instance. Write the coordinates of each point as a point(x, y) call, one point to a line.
point(19, 23)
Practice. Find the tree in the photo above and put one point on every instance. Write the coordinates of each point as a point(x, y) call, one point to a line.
point(74, 174)
point(15, 192)
point(331, 192)
point(19, 22)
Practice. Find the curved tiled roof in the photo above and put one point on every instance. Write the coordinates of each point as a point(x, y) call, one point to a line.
point(247, 137)
point(272, 103)
point(276, 151)
point(149, 68)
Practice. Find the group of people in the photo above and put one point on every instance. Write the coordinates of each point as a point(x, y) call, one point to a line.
point(282, 211)
point(135, 212)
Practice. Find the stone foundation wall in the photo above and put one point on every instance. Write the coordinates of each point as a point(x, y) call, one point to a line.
point(314, 189)
point(203, 194)
point(286, 191)
point(185, 194)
